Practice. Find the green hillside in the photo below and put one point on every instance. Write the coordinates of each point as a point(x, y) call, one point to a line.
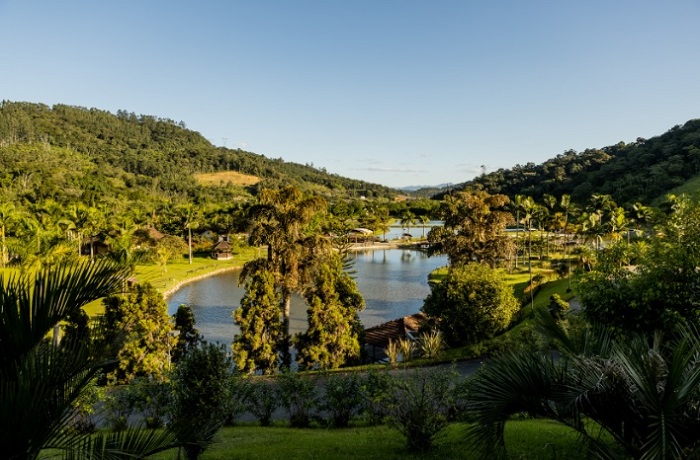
point(67, 153)
point(641, 171)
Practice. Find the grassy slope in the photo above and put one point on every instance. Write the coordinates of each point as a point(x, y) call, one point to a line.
point(691, 188)
point(224, 177)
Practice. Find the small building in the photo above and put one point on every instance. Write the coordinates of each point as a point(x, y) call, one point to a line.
point(377, 338)
point(361, 235)
point(222, 250)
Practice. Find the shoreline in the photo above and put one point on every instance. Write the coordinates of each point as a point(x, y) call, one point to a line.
point(173, 289)
point(358, 247)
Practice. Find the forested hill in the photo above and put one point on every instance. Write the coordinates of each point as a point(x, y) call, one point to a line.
point(63, 151)
point(641, 171)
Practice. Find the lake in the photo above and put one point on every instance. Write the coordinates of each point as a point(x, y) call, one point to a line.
point(393, 282)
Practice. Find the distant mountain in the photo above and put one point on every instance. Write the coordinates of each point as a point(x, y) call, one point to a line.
point(415, 188)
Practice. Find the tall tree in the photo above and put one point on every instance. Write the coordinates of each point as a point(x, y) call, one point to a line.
point(8, 217)
point(408, 219)
point(138, 326)
point(257, 346)
point(188, 336)
point(474, 228)
point(288, 223)
point(334, 303)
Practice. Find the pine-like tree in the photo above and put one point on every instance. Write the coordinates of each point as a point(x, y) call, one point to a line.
point(188, 336)
point(257, 346)
point(334, 303)
point(139, 327)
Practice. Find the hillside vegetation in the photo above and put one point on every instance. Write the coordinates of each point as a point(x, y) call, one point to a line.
point(67, 153)
point(640, 171)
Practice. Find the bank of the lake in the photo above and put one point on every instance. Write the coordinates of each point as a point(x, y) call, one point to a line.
point(393, 282)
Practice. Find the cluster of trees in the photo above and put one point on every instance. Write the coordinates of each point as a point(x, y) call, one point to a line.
point(470, 304)
point(300, 259)
point(627, 362)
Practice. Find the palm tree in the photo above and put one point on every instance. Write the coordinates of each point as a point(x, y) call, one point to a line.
point(285, 220)
point(424, 219)
point(8, 216)
point(190, 218)
point(643, 391)
point(408, 219)
point(40, 379)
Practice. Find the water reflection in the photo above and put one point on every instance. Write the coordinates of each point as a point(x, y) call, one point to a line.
point(393, 283)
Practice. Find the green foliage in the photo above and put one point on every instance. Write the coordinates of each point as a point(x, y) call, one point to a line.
point(420, 405)
point(152, 399)
point(84, 407)
point(642, 390)
point(343, 398)
point(392, 351)
point(258, 317)
point(288, 222)
point(138, 327)
point(473, 229)
point(200, 384)
point(43, 381)
point(470, 304)
point(558, 307)
point(298, 395)
point(188, 336)
point(237, 403)
point(661, 290)
point(406, 348)
point(639, 171)
point(334, 303)
point(261, 399)
point(376, 387)
point(431, 344)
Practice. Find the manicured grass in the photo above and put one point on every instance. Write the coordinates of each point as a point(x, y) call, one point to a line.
point(525, 439)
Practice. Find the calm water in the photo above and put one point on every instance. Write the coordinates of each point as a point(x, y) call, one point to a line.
point(393, 282)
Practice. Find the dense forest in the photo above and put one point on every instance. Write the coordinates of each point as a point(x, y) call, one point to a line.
point(67, 153)
point(641, 171)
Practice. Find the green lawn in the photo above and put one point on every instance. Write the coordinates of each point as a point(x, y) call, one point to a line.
point(525, 439)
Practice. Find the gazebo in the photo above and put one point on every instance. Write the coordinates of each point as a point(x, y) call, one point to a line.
point(222, 250)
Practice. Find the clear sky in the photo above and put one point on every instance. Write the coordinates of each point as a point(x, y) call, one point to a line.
point(396, 92)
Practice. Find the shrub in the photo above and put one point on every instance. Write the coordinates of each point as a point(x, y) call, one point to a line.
point(200, 391)
point(421, 405)
point(84, 407)
point(431, 344)
point(406, 349)
point(470, 304)
point(120, 404)
point(298, 396)
point(392, 352)
point(152, 399)
point(375, 390)
point(343, 398)
point(237, 402)
point(260, 399)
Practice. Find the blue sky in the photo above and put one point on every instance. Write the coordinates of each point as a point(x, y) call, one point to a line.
point(398, 92)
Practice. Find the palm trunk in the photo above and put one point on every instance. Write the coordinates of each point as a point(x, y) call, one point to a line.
point(285, 343)
point(189, 241)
